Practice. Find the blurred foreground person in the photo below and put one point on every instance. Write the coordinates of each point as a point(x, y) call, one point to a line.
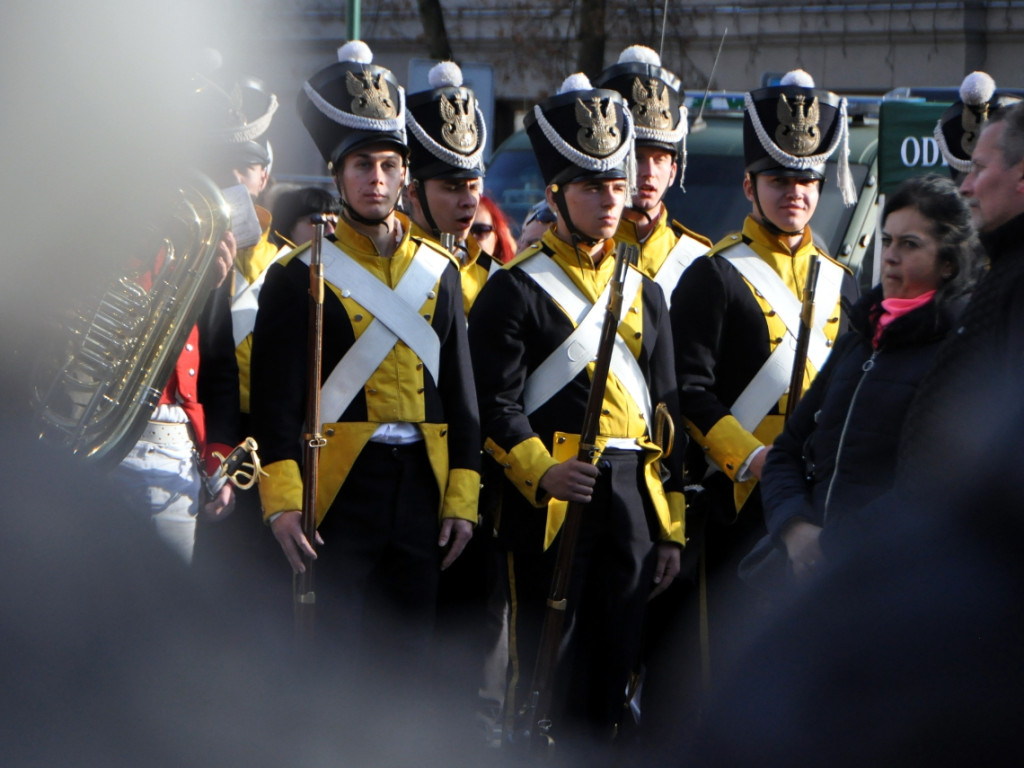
point(838, 450)
point(399, 469)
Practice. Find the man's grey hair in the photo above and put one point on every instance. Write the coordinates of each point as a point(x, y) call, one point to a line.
point(1011, 143)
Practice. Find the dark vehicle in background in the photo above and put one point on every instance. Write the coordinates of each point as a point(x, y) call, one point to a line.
point(713, 203)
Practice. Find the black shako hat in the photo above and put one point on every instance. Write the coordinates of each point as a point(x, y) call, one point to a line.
point(446, 128)
point(957, 131)
point(792, 129)
point(351, 104)
point(582, 133)
point(233, 116)
point(654, 98)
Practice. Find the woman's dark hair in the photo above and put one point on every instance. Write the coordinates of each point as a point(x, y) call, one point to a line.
point(295, 204)
point(938, 200)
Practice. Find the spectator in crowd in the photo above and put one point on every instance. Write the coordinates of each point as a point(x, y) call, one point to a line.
point(292, 212)
point(837, 451)
point(490, 230)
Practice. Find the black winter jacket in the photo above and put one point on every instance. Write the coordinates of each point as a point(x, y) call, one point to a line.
point(838, 450)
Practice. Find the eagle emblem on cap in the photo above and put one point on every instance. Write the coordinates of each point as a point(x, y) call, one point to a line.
point(372, 97)
point(458, 128)
point(972, 122)
point(598, 134)
point(651, 106)
point(798, 131)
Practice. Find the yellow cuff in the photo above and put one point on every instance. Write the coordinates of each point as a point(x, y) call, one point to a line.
point(727, 444)
point(462, 495)
point(524, 466)
point(281, 489)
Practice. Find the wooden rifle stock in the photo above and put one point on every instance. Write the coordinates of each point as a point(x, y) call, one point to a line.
point(535, 717)
point(803, 339)
point(313, 441)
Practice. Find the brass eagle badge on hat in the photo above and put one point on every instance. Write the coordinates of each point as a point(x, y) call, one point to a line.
point(371, 96)
point(598, 134)
point(798, 131)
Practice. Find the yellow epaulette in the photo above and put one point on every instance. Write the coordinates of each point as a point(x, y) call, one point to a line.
point(433, 244)
point(681, 231)
point(531, 250)
point(728, 241)
point(835, 261)
point(284, 260)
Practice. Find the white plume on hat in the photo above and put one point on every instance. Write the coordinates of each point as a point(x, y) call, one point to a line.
point(357, 51)
point(797, 77)
point(977, 89)
point(447, 73)
point(575, 82)
point(640, 54)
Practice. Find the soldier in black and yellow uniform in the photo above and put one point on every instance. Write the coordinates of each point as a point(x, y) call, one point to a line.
point(399, 474)
point(533, 378)
point(654, 98)
point(447, 135)
point(735, 316)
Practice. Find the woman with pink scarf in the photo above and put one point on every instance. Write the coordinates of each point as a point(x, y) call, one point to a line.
point(838, 450)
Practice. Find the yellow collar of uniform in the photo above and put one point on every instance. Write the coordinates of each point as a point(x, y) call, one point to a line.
point(629, 231)
point(590, 278)
point(355, 243)
point(754, 231)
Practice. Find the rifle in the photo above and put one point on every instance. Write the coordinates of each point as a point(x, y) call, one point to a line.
point(536, 713)
point(803, 339)
point(303, 586)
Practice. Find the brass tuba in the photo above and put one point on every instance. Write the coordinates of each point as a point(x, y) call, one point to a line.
point(97, 388)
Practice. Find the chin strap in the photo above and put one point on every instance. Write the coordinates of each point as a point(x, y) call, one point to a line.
point(577, 237)
point(421, 195)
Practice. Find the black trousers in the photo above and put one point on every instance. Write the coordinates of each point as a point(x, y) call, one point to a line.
point(377, 572)
point(610, 580)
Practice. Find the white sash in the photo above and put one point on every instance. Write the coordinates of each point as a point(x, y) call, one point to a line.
point(245, 303)
point(682, 255)
point(770, 383)
point(395, 316)
point(580, 347)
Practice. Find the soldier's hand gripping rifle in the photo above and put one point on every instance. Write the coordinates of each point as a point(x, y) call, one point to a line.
point(803, 339)
point(535, 717)
point(313, 441)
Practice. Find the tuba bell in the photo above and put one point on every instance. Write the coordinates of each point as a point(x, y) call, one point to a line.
point(96, 388)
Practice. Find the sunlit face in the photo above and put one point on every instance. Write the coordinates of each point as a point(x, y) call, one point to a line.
point(910, 256)
point(595, 206)
point(370, 181)
point(994, 192)
point(788, 202)
point(655, 170)
point(483, 231)
point(253, 177)
point(453, 204)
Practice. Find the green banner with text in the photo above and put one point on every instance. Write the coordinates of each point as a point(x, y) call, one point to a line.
point(906, 142)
